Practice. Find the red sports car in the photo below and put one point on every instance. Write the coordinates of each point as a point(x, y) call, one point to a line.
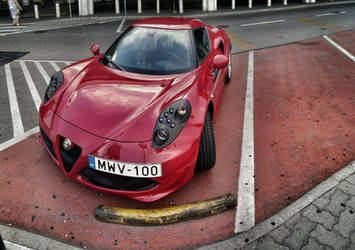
point(136, 121)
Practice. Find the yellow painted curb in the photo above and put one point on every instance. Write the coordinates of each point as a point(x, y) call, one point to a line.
point(164, 216)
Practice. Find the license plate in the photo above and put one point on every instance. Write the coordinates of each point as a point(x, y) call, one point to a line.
point(125, 169)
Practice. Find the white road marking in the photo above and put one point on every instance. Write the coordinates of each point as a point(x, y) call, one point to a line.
point(42, 71)
point(48, 61)
point(119, 30)
point(35, 96)
point(245, 216)
point(14, 108)
point(9, 30)
point(55, 66)
point(344, 51)
point(267, 22)
point(19, 138)
point(331, 13)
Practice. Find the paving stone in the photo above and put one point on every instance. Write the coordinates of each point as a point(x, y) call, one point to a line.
point(320, 216)
point(351, 179)
point(280, 234)
point(251, 246)
point(300, 233)
point(346, 223)
point(330, 238)
point(314, 244)
point(321, 202)
point(337, 202)
point(351, 203)
point(347, 188)
point(352, 240)
point(293, 221)
point(269, 243)
point(328, 194)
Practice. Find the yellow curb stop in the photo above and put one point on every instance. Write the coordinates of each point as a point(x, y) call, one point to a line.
point(165, 216)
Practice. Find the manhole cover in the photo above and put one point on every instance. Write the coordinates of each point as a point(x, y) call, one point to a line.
point(223, 26)
point(9, 56)
point(40, 31)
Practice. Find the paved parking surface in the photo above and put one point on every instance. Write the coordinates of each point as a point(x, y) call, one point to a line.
point(303, 130)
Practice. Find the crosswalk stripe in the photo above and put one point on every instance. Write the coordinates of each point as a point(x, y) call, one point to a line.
point(55, 66)
point(35, 96)
point(14, 107)
point(42, 71)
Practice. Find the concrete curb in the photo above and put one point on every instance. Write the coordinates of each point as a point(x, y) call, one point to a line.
point(245, 238)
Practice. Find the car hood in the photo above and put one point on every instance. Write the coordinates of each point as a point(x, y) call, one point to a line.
point(116, 105)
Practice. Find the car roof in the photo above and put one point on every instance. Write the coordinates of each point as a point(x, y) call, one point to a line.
point(169, 23)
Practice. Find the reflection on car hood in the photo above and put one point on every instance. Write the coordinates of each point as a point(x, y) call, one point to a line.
point(114, 104)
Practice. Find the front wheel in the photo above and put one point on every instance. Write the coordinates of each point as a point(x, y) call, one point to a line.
point(207, 152)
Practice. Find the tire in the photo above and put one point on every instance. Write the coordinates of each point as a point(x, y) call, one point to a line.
point(229, 72)
point(207, 152)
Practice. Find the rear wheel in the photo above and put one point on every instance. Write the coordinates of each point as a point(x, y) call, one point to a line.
point(207, 151)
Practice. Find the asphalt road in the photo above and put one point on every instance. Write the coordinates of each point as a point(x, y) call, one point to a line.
point(247, 32)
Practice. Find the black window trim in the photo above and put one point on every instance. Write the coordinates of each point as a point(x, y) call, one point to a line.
point(194, 45)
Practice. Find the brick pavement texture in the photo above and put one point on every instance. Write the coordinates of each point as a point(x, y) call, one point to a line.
point(326, 222)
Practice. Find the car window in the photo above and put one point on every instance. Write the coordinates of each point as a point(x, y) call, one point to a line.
point(202, 43)
point(153, 51)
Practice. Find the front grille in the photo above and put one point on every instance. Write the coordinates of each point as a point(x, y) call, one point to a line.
point(69, 157)
point(48, 143)
point(117, 182)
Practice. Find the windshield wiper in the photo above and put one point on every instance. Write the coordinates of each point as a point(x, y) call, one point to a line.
point(113, 63)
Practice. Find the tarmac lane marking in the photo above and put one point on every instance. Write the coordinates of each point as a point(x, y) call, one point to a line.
point(260, 23)
point(344, 51)
point(55, 66)
point(42, 71)
point(240, 42)
point(321, 24)
point(245, 215)
point(119, 30)
point(14, 107)
point(32, 87)
point(18, 138)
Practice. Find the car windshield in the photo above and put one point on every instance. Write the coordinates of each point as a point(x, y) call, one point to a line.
point(152, 51)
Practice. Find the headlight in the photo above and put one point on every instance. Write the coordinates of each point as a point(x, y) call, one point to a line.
point(55, 82)
point(170, 123)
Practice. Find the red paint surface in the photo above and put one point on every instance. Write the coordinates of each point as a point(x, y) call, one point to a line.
point(346, 40)
point(35, 194)
point(304, 120)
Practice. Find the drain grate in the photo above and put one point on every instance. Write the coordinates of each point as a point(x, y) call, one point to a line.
point(9, 56)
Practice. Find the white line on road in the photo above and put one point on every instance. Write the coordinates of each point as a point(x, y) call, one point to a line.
point(9, 30)
point(35, 96)
point(331, 13)
point(245, 216)
point(55, 66)
point(267, 22)
point(43, 72)
point(344, 51)
point(19, 138)
point(14, 108)
point(119, 30)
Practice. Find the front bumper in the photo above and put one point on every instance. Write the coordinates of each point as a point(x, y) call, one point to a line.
point(178, 159)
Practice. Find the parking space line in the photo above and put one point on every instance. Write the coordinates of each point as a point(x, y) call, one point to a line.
point(119, 30)
point(321, 24)
point(237, 40)
point(42, 71)
point(344, 51)
point(35, 96)
point(55, 66)
point(260, 23)
point(18, 138)
point(14, 107)
point(245, 215)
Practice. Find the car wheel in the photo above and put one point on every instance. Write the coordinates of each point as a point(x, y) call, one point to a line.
point(229, 73)
point(207, 152)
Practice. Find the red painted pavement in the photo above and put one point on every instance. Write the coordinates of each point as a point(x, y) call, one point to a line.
point(304, 119)
point(36, 196)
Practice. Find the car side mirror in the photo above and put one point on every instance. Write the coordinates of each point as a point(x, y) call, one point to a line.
point(95, 49)
point(220, 61)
